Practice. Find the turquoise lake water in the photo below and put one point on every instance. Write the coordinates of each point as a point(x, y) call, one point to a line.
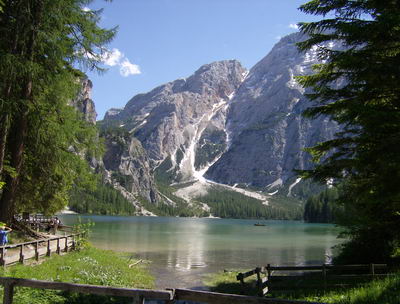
point(184, 250)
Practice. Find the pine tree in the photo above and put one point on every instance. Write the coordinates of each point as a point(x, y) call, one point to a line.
point(358, 86)
point(41, 43)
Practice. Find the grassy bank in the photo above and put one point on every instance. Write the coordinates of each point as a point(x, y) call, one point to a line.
point(87, 266)
point(385, 291)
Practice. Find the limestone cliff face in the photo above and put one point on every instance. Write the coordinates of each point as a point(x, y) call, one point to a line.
point(125, 162)
point(177, 119)
point(84, 103)
point(267, 130)
point(128, 165)
point(223, 124)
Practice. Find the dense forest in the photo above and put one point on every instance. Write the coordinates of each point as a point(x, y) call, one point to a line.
point(229, 204)
point(104, 199)
point(322, 208)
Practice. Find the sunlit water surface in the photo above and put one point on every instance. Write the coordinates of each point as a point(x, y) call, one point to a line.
point(184, 250)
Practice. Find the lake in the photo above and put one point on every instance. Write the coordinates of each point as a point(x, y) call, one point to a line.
point(183, 250)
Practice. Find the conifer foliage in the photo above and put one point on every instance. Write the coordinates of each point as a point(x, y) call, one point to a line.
point(358, 86)
point(322, 208)
point(41, 44)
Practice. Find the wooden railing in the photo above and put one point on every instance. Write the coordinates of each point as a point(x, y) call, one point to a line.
point(326, 273)
point(139, 295)
point(63, 243)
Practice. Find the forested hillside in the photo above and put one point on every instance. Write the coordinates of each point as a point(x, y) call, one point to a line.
point(322, 208)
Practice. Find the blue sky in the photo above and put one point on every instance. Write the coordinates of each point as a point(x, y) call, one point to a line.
point(162, 40)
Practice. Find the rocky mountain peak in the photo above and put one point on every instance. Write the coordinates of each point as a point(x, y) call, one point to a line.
point(267, 130)
point(222, 77)
point(171, 118)
point(84, 103)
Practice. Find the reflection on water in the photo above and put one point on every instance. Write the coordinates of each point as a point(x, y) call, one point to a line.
point(182, 250)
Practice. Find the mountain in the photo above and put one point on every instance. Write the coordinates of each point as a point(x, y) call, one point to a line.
point(221, 127)
point(124, 165)
point(184, 120)
point(266, 128)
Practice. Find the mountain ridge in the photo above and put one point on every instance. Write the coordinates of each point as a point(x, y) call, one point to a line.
point(222, 125)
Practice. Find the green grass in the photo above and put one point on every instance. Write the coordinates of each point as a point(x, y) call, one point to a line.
point(87, 266)
point(385, 291)
point(226, 282)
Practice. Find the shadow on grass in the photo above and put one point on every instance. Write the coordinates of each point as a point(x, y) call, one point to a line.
point(380, 291)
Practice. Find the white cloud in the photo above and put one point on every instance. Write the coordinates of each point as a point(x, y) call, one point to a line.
point(293, 26)
point(86, 9)
point(116, 58)
point(113, 57)
point(127, 68)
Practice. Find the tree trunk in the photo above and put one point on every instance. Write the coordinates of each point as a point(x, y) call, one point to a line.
point(16, 143)
point(5, 115)
point(3, 139)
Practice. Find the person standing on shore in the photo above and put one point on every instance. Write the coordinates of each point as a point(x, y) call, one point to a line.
point(4, 231)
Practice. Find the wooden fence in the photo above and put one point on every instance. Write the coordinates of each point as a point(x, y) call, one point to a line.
point(139, 295)
point(63, 243)
point(329, 274)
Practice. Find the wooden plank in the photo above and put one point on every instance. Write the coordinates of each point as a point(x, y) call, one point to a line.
point(263, 280)
point(355, 267)
point(249, 273)
point(91, 289)
point(356, 276)
point(293, 268)
point(294, 277)
point(220, 298)
point(316, 267)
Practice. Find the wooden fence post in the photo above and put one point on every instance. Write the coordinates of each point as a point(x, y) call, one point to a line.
point(48, 253)
point(138, 300)
point(2, 256)
point(259, 282)
point(240, 278)
point(37, 251)
point(372, 269)
point(269, 275)
point(66, 244)
point(8, 292)
point(58, 246)
point(21, 254)
point(73, 242)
